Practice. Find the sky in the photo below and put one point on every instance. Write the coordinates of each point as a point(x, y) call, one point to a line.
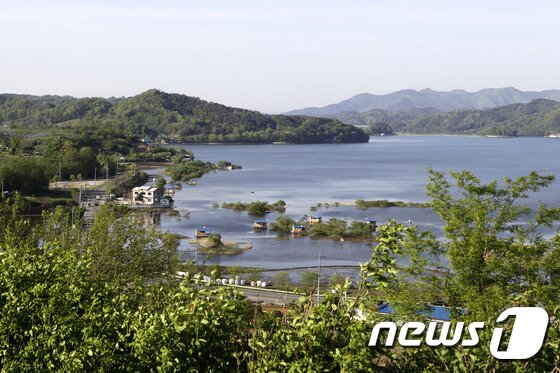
point(276, 56)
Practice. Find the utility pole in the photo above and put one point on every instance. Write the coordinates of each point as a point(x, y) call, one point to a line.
point(95, 174)
point(319, 278)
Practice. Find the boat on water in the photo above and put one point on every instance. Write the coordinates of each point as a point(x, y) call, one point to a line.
point(191, 182)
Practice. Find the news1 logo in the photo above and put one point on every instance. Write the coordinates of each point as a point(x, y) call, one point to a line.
point(525, 340)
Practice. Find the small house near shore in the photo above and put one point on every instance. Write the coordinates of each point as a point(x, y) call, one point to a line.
point(298, 229)
point(203, 232)
point(260, 224)
point(372, 224)
point(146, 195)
point(315, 219)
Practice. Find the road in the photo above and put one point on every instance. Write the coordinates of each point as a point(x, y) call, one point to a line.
point(91, 201)
point(268, 296)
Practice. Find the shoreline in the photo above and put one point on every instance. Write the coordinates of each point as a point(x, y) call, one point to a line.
point(404, 134)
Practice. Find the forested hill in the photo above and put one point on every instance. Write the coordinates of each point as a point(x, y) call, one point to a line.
point(537, 118)
point(160, 115)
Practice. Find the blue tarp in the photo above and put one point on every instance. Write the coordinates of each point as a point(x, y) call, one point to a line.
point(437, 312)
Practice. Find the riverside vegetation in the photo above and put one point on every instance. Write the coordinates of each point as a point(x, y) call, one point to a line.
point(257, 208)
point(213, 245)
point(331, 229)
point(108, 298)
point(365, 204)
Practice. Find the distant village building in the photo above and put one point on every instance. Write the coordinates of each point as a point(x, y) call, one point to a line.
point(298, 229)
point(315, 219)
point(260, 224)
point(372, 224)
point(146, 195)
point(202, 232)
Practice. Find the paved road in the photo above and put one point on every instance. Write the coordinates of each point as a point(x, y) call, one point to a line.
point(91, 202)
point(278, 298)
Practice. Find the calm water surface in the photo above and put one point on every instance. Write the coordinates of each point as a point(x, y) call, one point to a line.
point(391, 168)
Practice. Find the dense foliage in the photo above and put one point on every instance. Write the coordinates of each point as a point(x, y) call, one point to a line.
point(190, 169)
point(364, 204)
point(25, 174)
point(331, 229)
point(283, 224)
point(108, 298)
point(158, 115)
point(337, 228)
point(497, 259)
point(257, 207)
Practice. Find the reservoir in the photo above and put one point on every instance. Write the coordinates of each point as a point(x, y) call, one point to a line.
point(392, 167)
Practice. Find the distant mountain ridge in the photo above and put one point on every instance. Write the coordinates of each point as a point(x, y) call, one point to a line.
point(409, 99)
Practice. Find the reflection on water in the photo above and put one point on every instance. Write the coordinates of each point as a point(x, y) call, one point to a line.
point(391, 168)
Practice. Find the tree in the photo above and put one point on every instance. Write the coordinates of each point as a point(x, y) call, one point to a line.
point(216, 270)
point(215, 240)
point(498, 258)
point(235, 271)
point(257, 208)
point(109, 309)
point(491, 253)
point(336, 279)
point(309, 281)
point(160, 184)
point(26, 174)
point(282, 224)
point(282, 280)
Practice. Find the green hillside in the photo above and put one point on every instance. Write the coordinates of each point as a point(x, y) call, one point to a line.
point(176, 117)
point(537, 118)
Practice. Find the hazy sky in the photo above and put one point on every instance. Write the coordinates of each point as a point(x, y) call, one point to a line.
point(276, 55)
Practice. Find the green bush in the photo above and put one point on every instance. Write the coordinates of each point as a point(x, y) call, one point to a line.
point(282, 224)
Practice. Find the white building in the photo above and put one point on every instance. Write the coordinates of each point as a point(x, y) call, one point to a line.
point(146, 195)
